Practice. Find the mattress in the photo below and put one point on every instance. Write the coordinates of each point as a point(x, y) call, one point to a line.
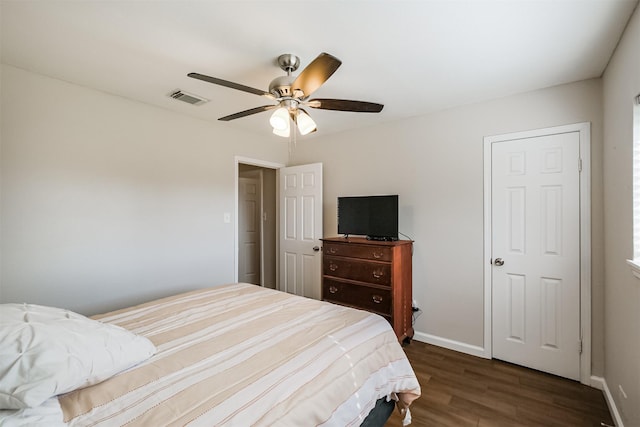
point(242, 355)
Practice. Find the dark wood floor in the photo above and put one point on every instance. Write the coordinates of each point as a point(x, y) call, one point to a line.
point(462, 390)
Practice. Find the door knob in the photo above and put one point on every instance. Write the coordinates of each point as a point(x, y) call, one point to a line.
point(499, 262)
point(316, 248)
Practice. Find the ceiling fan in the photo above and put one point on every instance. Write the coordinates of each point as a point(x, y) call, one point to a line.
point(292, 93)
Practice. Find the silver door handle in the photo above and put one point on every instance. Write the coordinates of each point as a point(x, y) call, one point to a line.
point(499, 262)
point(316, 248)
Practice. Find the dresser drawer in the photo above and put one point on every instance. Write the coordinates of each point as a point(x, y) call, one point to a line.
point(362, 271)
point(378, 253)
point(359, 296)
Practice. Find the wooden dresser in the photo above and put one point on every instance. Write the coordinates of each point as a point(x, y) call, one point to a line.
point(370, 275)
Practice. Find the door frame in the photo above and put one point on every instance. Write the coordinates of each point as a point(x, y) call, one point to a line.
point(253, 162)
point(584, 130)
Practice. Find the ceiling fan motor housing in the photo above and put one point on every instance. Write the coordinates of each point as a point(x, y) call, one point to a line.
point(280, 87)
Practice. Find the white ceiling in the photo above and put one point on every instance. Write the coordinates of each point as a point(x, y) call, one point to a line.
point(412, 56)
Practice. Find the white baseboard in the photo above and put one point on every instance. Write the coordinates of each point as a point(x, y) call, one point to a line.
point(450, 344)
point(597, 382)
point(601, 383)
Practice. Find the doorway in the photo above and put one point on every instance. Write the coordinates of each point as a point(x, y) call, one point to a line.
point(250, 238)
point(256, 225)
point(537, 228)
point(297, 192)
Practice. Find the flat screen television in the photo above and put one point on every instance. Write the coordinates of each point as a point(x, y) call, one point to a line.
point(375, 217)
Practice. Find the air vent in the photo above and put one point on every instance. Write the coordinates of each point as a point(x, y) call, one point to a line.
point(189, 98)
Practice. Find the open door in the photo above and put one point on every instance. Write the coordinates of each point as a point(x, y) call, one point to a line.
point(301, 229)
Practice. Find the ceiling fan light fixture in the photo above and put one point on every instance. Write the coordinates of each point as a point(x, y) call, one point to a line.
point(280, 120)
point(284, 133)
point(305, 123)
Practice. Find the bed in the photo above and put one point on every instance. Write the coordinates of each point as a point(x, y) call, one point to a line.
point(235, 355)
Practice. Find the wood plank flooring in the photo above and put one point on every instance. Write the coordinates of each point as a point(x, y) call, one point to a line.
point(462, 390)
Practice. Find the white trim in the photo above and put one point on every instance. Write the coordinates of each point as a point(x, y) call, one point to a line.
point(246, 161)
point(635, 260)
point(608, 397)
point(635, 267)
point(585, 250)
point(597, 382)
point(487, 340)
point(584, 130)
point(461, 347)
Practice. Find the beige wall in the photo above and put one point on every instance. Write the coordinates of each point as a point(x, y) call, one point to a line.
point(621, 83)
point(435, 164)
point(108, 202)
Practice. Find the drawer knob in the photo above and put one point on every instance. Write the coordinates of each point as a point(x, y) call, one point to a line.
point(333, 267)
point(378, 273)
point(331, 251)
point(377, 254)
point(377, 299)
point(333, 289)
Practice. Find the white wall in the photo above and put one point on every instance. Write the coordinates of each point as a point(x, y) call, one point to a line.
point(108, 202)
point(621, 83)
point(1, 122)
point(435, 164)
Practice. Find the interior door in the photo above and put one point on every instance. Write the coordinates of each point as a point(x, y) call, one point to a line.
point(301, 229)
point(535, 250)
point(249, 221)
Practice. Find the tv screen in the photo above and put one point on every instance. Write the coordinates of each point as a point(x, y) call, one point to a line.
point(373, 216)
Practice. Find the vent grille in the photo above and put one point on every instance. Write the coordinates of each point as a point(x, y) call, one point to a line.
point(189, 98)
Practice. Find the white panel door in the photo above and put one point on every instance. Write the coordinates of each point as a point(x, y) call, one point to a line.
point(249, 222)
point(535, 219)
point(301, 229)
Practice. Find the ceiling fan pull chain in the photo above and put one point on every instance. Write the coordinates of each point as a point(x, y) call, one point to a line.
point(291, 145)
point(293, 142)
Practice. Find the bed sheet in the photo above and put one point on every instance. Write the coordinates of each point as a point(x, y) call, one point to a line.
point(244, 355)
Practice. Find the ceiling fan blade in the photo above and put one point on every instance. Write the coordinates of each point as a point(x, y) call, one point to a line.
point(316, 73)
point(248, 112)
point(231, 85)
point(345, 105)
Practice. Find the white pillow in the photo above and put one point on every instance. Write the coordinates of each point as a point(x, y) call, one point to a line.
point(48, 351)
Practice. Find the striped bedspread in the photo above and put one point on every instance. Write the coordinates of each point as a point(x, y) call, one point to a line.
point(243, 355)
